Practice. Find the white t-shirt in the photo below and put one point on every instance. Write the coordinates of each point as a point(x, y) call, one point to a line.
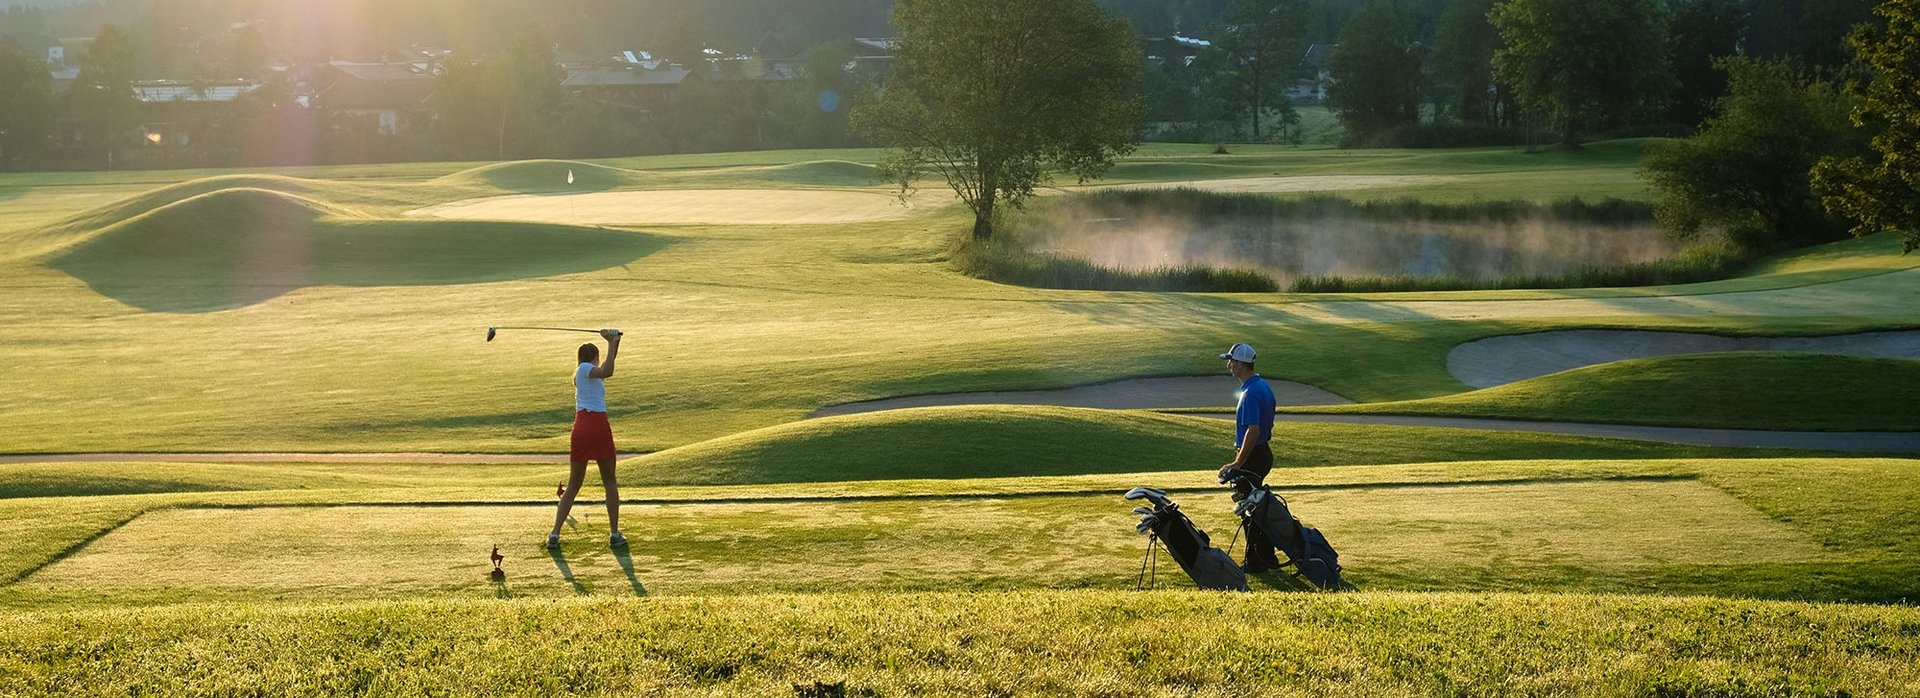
point(589, 393)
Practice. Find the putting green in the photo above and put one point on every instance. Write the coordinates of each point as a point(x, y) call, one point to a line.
point(682, 207)
point(1417, 536)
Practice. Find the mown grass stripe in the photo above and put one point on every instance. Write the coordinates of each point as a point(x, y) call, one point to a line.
point(71, 550)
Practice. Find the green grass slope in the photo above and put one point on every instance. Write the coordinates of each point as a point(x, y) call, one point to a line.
point(239, 246)
point(1734, 390)
point(1006, 440)
point(81, 225)
point(1146, 644)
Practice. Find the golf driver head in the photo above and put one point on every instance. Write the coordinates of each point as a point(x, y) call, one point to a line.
point(1158, 497)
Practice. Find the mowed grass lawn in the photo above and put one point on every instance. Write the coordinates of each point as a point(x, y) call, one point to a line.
point(1788, 528)
point(1526, 535)
point(194, 316)
point(307, 310)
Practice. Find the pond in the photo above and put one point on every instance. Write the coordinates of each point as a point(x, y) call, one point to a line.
point(1291, 249)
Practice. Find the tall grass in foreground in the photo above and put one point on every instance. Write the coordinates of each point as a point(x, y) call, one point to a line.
point(1076, 643)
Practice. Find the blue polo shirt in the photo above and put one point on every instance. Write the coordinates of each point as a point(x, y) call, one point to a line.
point(1256, 407)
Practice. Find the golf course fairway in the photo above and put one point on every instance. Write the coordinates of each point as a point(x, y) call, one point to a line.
point(853, 464)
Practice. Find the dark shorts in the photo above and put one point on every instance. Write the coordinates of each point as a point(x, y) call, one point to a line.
point(592, 437)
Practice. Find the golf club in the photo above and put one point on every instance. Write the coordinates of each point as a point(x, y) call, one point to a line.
point(491, 331)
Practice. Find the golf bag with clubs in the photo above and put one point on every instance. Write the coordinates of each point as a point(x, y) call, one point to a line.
point(1210, 567)
point(1313, 559)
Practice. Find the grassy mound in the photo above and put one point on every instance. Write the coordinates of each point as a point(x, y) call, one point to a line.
point(240, 246)
point(84, 224)
point(826, 173)
point(939, 442)
point(1006, 440)
point(1147, 644)
point(1733, 390)
point(544, 176)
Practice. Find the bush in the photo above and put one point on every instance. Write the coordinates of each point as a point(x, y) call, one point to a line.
point(1746, 174)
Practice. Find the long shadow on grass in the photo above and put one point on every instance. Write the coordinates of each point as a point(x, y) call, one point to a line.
point(626, 565)
point(566, 573)
point(238, 247)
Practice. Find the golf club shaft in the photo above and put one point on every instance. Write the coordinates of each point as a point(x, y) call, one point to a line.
point(555, 329)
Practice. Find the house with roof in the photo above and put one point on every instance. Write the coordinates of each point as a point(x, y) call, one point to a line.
point(872, 58)
point(1313, 88)
point(176, 113)
point(627, 86)
point(1178, 49)
point(395, 94)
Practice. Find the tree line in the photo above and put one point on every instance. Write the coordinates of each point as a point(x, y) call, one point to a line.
point(510, 105)
point(1409, 73)
point(1480, 72)
point(1786, 156)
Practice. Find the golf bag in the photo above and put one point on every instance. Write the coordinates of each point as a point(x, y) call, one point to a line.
point(1210, 567)
point(1313, 559)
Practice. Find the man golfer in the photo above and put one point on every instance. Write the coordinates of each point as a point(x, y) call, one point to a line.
point(1252, 454)
point(592, 437)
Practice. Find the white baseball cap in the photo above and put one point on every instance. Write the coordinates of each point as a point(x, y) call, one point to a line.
point(1242, 353)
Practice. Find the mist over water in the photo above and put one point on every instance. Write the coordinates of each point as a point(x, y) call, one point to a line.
point(1323, 245)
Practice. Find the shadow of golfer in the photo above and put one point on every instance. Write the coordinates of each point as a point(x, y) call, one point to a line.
point(626, 565)
point(500, 590)
point(566, 573)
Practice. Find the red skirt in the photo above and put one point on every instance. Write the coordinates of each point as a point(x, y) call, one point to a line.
point(592, 437)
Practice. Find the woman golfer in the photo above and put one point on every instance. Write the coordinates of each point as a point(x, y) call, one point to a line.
point(592, 437)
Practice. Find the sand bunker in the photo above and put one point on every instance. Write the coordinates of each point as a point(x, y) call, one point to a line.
point(1134, 394)
point(681, 207)
point(1500, 360)
point(1272, 185)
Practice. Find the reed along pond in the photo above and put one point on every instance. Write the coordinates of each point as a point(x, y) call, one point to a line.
point(1292, 240)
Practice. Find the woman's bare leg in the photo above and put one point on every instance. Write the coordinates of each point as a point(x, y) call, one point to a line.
point(576, 473)
point(610, 480)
